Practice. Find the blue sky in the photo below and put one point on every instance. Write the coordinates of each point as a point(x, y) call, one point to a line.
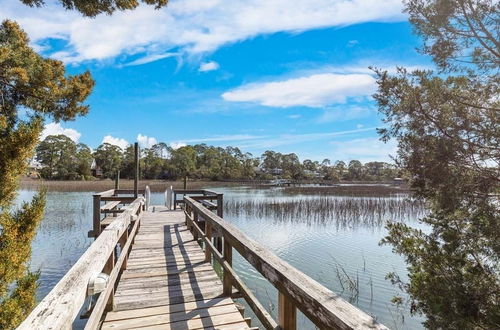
point(254, 74)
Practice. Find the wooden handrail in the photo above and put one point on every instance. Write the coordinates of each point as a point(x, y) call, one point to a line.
point(232, 278)
point(297, 290)
point(101, 303)
point(61, 305)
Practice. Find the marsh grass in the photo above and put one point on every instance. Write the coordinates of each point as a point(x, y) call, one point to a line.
point(345, 212)
point(352, 189)
point(102, 185)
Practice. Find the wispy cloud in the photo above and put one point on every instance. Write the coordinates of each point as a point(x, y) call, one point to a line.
point(316, 90)
point(222, 138)
point(364, 149)
point(347, 112)
point(150, 58)
point(208, 66)
point(270, 141)
point(290, 139)
point(193, 26)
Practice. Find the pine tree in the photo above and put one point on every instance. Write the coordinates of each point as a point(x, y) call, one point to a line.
point(93, 8)
point(41, 89)
point(447, 128)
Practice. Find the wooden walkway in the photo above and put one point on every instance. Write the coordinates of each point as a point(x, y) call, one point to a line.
point(167, 284)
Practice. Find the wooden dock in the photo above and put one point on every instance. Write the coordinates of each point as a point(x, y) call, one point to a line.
point(153, 267)
point(167, 283)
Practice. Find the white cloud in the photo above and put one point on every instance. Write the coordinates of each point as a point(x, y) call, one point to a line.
point(193, 26)
point(177, 145)
point(316, 90)
point(290, 139)
point(226, 138)
point(150, 58)
point(146, 141)
point(348, 112)
point(294, 116)
point(352, 43)
point(208, 66)
point(57, 129)
point(364, 149)
point(122, 143)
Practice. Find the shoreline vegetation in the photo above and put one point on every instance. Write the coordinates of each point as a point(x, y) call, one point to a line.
point(360, 188)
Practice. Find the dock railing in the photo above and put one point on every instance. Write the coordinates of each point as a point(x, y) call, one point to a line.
point(296, 290)
point(103, 260)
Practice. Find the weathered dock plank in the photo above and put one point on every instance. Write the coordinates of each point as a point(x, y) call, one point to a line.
point(168, 284)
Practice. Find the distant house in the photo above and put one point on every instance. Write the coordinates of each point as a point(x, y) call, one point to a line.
point(275, 171)
point(313, 174)
point(398, 181)
point(95, 169)
point(34, 168)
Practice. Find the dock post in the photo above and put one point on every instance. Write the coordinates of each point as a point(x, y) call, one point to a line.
point(287, 313)
point(117, 180)
point(195, 220)
point(208, 234)
point(220, 213)
point(136, 176)
point(108, 268)
point(96, 220)
point(227, 279)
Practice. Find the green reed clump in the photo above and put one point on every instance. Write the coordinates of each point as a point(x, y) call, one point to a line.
point(376, 190)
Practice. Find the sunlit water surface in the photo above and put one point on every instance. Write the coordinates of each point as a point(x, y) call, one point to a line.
point(336, 252)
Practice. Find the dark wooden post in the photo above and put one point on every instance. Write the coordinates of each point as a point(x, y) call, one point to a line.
point(220, 213)
point(117, 180)
point(96, 220)
point(136, 176)
point(227, 280)
point(287, 313)
point(220, 205)
point(195, 220)
point(208, 234)
point(175, 200)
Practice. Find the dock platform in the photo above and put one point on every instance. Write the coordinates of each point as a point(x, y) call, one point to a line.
point(167, 284)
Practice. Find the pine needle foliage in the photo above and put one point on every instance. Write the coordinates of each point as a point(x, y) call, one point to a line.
point(92, 8)
point(31, 89)
point(447, 127)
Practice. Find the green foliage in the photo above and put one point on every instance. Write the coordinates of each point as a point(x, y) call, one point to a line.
point(448, 136)
point(84, 160)
point(95, 7)
point(109, 158)
point(183, 161)
point(63, 159)
point(40, 87)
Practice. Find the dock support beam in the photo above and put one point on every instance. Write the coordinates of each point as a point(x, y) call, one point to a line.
point(287, 313)
point(96, 217)
point(227, 279)
point(136, 176)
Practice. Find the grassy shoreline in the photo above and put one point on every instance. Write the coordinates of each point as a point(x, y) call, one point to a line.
point(346, 189)
point(102, 185)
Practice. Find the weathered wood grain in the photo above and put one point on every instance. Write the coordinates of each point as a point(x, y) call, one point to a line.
point(61, 305)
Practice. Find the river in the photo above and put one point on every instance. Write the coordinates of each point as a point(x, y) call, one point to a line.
point(333, 239)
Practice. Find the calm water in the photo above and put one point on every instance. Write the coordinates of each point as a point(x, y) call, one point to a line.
point(333, 251)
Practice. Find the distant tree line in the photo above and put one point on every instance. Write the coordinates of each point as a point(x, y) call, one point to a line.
point(63, 159)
